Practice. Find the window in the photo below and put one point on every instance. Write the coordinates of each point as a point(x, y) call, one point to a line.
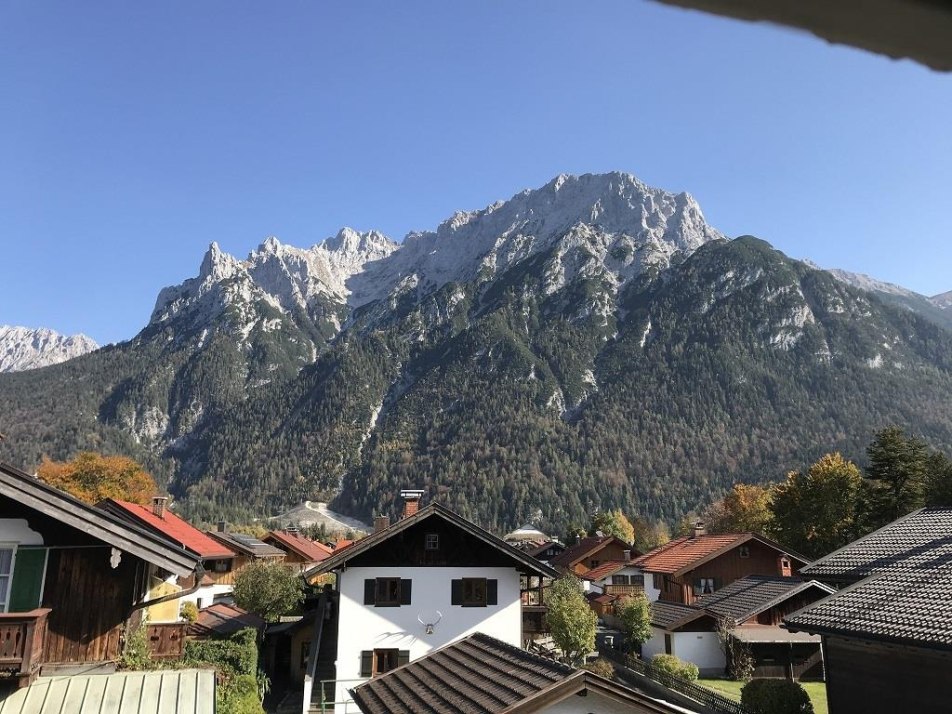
point(222, 565)
point(703, 586)
point(620, 580)
point(387, 592)
point(374, 662)
point(6, 573)
point(432, 541)
point(474, 592)
point(743, 551)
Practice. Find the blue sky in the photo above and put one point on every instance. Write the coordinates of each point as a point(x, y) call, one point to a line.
point(134, 134)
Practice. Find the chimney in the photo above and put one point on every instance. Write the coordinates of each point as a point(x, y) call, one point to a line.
point(158, 506)
point(291, 530)
point(221, 526)
point(699, 529)
point(627, 555)
point(381, 523)
point(411, 501)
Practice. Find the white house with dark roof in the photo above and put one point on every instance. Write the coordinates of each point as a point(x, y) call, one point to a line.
point(428, 580)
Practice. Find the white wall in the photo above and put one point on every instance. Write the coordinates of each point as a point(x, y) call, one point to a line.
point(653, 646)
point(599, 586)
point(701, 648)
point(365, 627)
point(651, 591)
point(17, 530)
point(591, 703)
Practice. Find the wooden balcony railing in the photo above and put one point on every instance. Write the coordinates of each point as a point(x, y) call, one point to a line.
point(623, 589)
point(21, 643)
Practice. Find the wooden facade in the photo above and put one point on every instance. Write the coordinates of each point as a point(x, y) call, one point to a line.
point(750, 558)
point(868, 676)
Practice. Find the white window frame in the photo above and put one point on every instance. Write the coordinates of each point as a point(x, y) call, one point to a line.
point(13, 564)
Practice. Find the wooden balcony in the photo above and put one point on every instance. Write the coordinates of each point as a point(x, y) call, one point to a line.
point(623, 589)
point(21, 643)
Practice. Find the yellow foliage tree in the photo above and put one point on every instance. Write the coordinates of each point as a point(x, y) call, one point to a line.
point(91, 477)
point(614, 523)
point(745, 508)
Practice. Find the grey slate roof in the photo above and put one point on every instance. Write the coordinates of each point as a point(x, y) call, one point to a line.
point(744, 598)
point(187, 691)
point(923, 539)
point(482, 675)
point(902, 606)
point(667, 615)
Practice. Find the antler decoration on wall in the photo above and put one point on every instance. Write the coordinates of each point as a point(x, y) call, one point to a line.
point(430, 625)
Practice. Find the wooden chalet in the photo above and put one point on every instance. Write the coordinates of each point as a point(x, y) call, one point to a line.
point(591, 552)
point(246, 547)
point(298, 550)
point(218, 561)
point(886, 636)
point(73, 578)
point(690, 567)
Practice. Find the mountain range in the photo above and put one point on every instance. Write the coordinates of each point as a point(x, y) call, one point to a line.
point(23, 348)
point(593, 343)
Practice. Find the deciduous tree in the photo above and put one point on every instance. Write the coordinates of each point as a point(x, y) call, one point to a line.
point(268, 589)
point(745, 508)
point(91, 477)
point(614, 523)
point(635, 615)
point(570, 620)
point(821, 510)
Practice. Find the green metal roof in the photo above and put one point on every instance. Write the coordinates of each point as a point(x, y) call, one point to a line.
point(186, 691)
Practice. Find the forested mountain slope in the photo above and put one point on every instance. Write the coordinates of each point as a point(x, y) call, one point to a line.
point(593, 343)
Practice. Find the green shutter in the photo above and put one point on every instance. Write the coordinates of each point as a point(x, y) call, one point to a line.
point(367, 663)
point(403, 657)
point(27, 579)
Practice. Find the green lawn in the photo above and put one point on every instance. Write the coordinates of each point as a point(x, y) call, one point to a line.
point(816, 690)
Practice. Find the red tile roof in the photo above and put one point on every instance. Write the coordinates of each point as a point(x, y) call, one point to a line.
point(222, 619)
point(176, 529)
point(308, 549)
point(343, 543)
point(604, 570)
point(683, 552)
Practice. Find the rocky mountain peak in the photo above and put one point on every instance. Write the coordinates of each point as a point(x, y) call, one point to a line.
point(22, 348)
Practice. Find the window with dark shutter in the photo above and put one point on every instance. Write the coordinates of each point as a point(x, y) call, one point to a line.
point(474, 592)
point(26, 590)
point(492, 592)
point(387, 592)
point(456, 592)
point(405, 586)
point(367, 663)
point(370, 591)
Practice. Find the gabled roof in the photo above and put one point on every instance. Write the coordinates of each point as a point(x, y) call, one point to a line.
point(911, 607)
point(672, 615)
point(482, 675)
point(921, 539)
point(340, 557)
point(221, 619)
point(110, 529)
point(749, 596)
point(688, 552)
point(585, 548)
point(246, 544)
point(605, 569)
point(308, 549)
point(171, 526)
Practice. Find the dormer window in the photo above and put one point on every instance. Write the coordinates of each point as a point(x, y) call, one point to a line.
point(743, 551)
point(432, 541)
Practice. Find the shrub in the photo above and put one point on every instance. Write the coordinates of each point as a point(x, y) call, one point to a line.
point(136, 653)
point(235, 660)
point(673, 665)
point(189, 611)
point(775, 696)
point(602, 667)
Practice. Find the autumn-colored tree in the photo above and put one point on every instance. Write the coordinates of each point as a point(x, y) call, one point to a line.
point(614, 523)
point(570, 620)
point(821, 510)
point(649, 534)
point(745, 508)
point(91, 477)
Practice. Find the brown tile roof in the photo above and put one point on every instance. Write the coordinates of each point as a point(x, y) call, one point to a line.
point(247, 545)
point(482, 675)
point(753, 594)
point(220, 620)
point(604, 570)
point(688, 552)
point(583, 549)
point(308, 549)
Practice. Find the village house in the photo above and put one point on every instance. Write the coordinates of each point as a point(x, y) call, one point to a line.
point(74, 579)
point(751, 610)
point(692, 566)
point(421, 583)
point(591, 552)
point(248, 549)
point(218, 560)
point(886, 634)
point(300, 552)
